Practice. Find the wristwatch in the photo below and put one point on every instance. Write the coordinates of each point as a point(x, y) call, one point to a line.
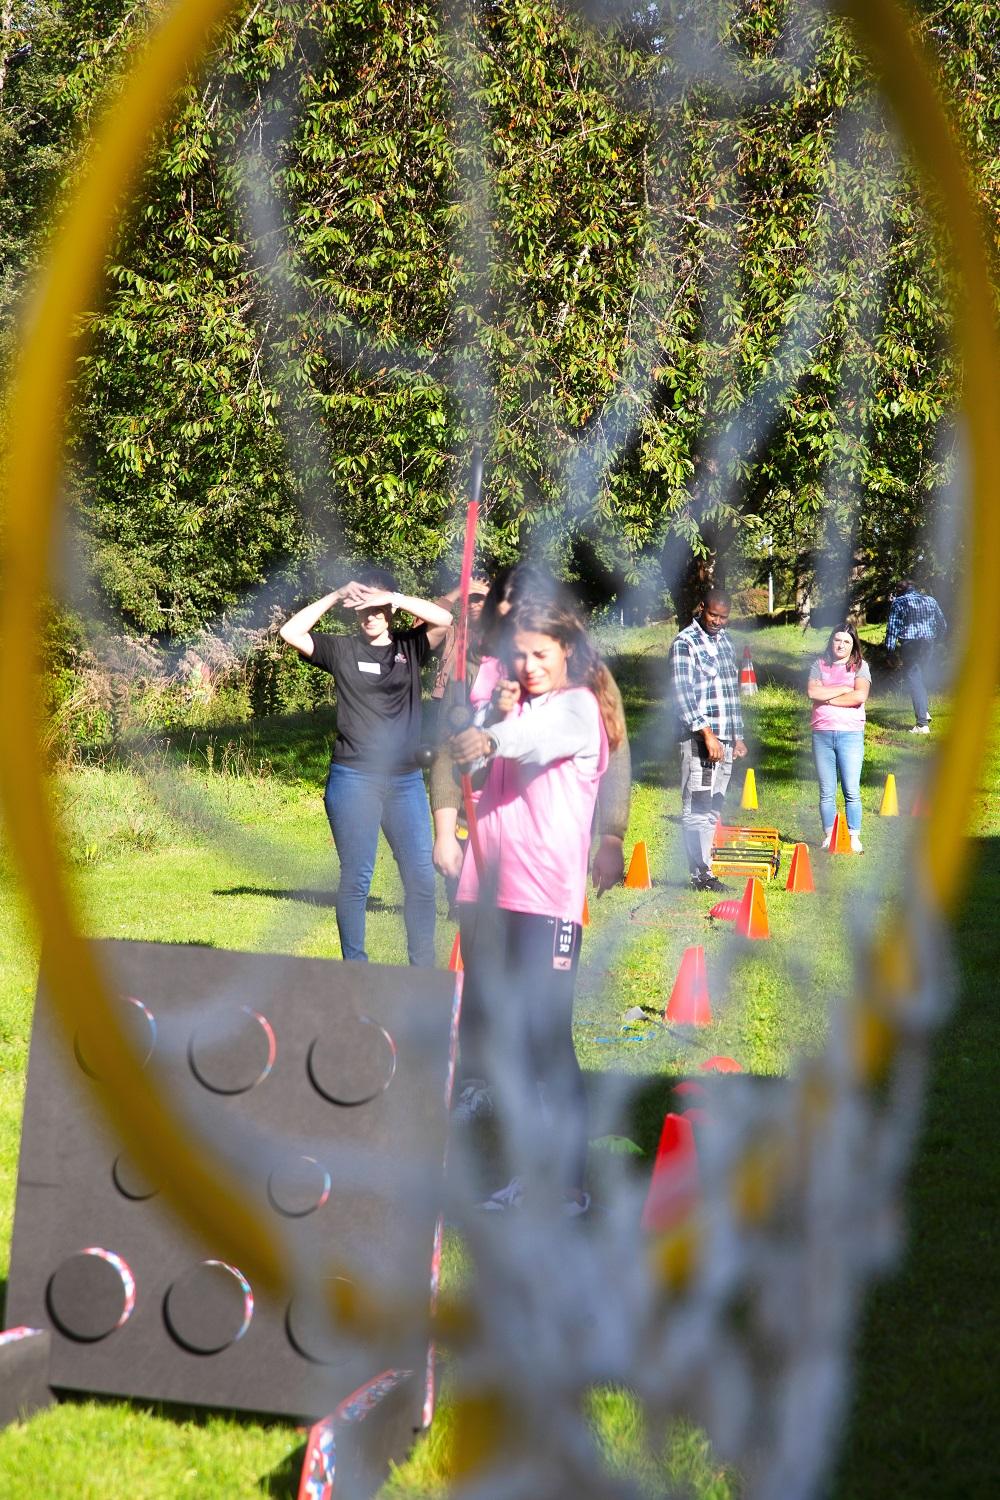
point(493, 745)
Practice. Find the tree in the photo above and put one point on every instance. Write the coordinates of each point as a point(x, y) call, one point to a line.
point(684, 310)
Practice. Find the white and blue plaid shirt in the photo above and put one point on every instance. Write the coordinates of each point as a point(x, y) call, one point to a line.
point(706, 683)
point(914, 617)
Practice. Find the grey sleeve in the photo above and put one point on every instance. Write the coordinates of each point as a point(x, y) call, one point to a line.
point(556, 730)
point(864, 672)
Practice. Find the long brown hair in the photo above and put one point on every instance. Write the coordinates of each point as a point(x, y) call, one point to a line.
point(584, 667)
point(855, 659)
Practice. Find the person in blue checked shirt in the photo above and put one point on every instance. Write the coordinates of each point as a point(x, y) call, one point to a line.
point(706, 687)
point(915, 623)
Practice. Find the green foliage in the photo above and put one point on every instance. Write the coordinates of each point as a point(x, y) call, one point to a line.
point(280, 681)
point(682, 312)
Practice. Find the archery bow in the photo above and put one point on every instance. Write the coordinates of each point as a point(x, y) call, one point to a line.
point(461, 690)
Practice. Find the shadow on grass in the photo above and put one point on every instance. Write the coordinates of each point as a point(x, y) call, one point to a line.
point(309, 897)
point(926, 1403)
point(283, 1482)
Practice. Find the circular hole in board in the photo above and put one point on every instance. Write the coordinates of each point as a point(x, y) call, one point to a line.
point(209, 1308)
point(309, 1330)
point(137, 1023)
point(131, 1181)
point(232, 1051)
point(298, 1186)
point(91, 1294)
point(352, 1061)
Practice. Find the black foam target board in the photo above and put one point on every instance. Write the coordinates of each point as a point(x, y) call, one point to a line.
point(24, 1373)
point(328, 1080)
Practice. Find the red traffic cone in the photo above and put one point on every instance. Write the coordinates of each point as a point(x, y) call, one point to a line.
point(752, 921)
point(689, 1089)
point(800, 875)
point(673, 1187)
point(689, 1004)
point(725, 911)
point(748, 677)
point(455, 963)
point(721, 1065)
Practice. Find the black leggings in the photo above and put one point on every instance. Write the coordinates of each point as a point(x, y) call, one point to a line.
point(517, 959)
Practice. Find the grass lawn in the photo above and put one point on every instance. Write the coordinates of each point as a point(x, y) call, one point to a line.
point(232, 850)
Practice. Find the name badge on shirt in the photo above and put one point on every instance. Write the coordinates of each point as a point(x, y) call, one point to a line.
point(370, 666)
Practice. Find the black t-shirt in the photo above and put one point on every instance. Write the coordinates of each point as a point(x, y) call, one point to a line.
point(378, 696)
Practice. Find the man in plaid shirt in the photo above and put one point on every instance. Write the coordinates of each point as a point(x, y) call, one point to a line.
point(915, 623)
point(706, 687)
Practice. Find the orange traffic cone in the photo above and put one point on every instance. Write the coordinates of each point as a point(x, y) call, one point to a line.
point(689, 1004)
point(840, 838)
point(638, 878)
point(748, 677)
point(752, 921)
point(918, 807)
point(585, 917)
point(455, 963)
point(673, 1187)
point(800, 875)
point(721, 1065)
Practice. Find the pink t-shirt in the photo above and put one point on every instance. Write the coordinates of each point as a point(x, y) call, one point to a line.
point(829, 715)
point(489, 675)
point(535, 820)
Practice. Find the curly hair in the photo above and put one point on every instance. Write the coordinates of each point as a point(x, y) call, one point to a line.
point(554, 617)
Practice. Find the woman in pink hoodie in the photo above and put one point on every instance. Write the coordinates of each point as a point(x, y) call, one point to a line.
point(521, 911)
point(839, 684)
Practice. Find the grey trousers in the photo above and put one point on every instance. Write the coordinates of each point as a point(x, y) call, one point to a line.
point(703, 789)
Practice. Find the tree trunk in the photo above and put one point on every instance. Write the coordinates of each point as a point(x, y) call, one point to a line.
point(805, 578)
point(856, 587)
point(6, 33)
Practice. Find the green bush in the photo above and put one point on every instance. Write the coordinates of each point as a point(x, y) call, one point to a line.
point(280, 681)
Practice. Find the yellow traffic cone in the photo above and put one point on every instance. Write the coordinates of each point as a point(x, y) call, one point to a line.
point(890, 801)
point(749, 798)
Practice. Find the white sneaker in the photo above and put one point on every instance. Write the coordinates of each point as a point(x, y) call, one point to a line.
point(475, 1102)
point(827, 836)
point(920, 729)
point(507, 1198)
point(856, 845)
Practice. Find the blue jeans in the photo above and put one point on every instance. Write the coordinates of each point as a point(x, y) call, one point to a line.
point(914, 655)
point(839, 753)
point(358, 804)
